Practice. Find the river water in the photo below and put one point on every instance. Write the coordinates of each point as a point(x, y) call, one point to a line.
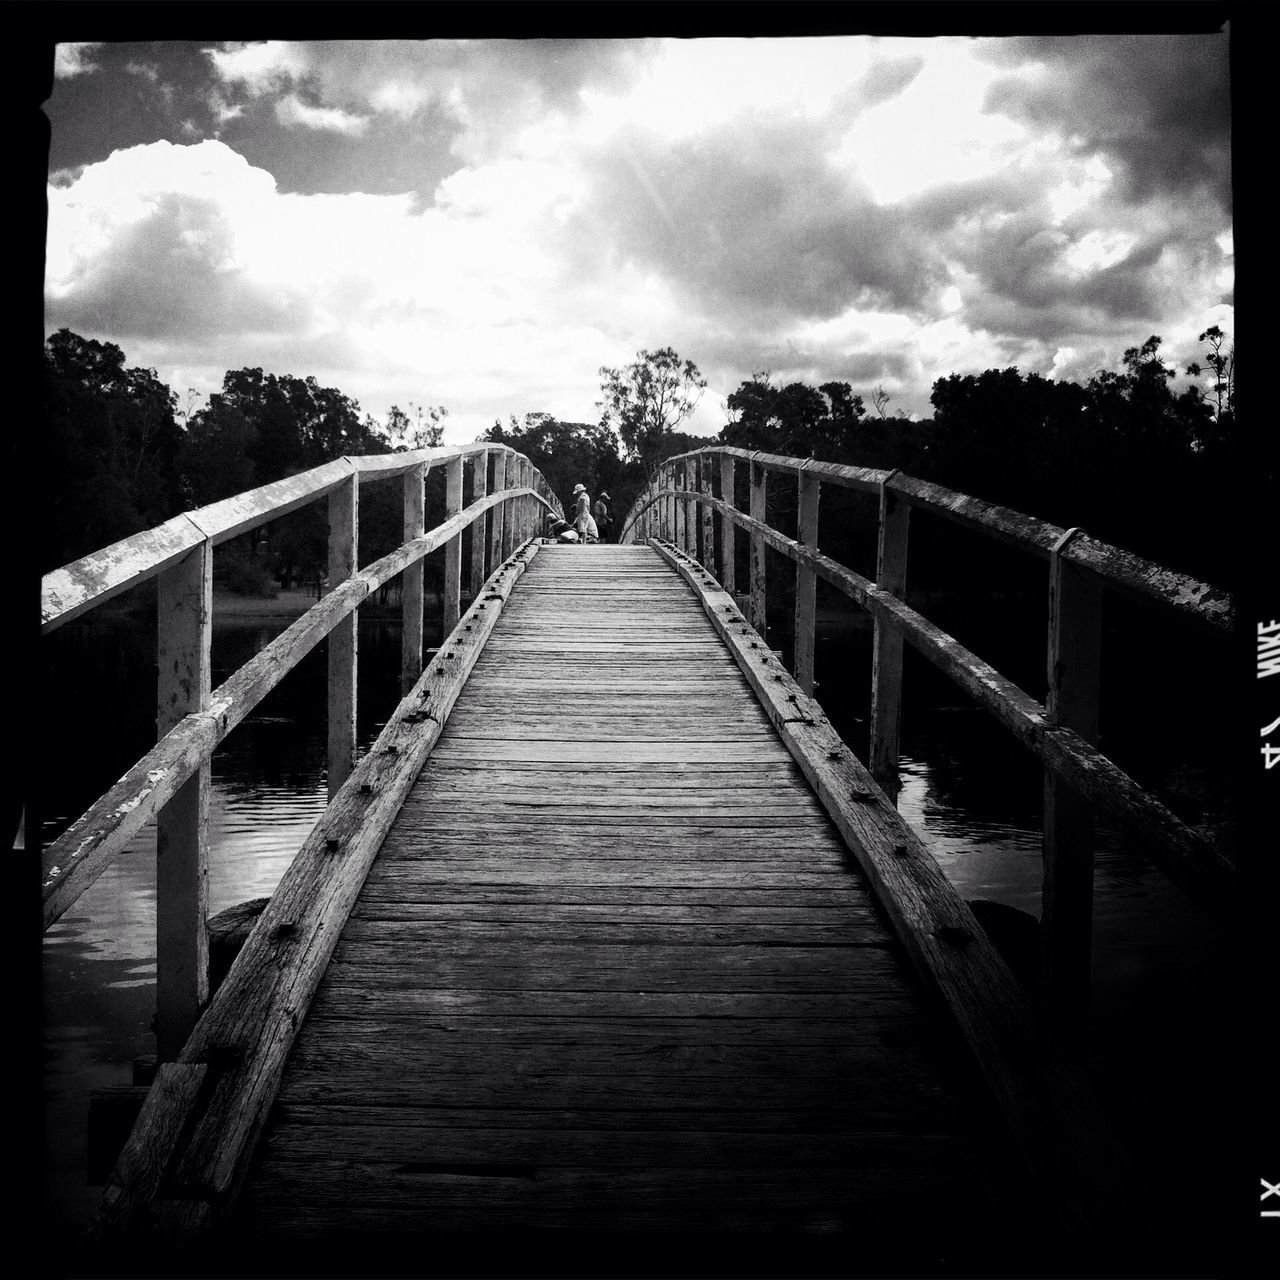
point(1160, 966)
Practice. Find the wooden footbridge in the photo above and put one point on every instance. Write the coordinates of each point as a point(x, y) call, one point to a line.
point(609, 935)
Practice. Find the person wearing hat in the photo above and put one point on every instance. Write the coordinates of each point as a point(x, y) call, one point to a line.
point(601, 512)
point(582, 519)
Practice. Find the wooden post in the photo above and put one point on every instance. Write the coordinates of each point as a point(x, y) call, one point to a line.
point(671, 503)
point(497, 514)
point(479, 487)
point(411, 584)
point(759, 480)
point(691, 508)
point(886, 658)
point(808, 486)
point(510, 478)
point(708, 522)
point(450, 605)
point(1066, 926)
point(677, 483)
point(185, 629)
point(343, 522)
point(728, 530)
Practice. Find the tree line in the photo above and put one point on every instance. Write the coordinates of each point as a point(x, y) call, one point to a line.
point(1126, 455)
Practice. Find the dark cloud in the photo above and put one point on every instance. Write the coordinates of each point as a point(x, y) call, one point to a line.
point(1158, 106)
point(753, 216)
point(133, 97)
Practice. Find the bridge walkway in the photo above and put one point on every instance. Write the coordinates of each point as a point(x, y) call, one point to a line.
point(613, 970)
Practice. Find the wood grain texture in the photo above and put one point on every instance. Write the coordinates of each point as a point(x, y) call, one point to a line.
point(1045, 1105)
point(613, 966)
point(245, 1035)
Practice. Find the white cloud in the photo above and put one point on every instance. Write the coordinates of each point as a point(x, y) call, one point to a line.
point(74, 59)
point(846, 208)
point(292, 112)
point(259, 67)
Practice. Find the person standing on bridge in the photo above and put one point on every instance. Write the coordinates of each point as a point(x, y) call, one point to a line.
point(601, 511)
point(582, 518)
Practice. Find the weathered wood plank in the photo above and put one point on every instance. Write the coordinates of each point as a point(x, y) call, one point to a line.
point(76, 859)
point(245, 1034)
point(1066, 922)
point(1198, 867)
point(759, 483)
point(1045, 1106)
point(886, 658)
point(184, 662)
point(411, 595)
point(343, 638)
point(450, 603)
point(479, 488)
point(806, 580)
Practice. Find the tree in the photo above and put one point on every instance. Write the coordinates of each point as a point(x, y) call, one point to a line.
point(567, 453)
point(216, 459)
point(1223, 364)
point(421, 428)
point(797, 420)
point(111, 443)
point(647, 399)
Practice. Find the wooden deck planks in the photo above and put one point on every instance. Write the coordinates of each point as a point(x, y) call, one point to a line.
point(613, 969)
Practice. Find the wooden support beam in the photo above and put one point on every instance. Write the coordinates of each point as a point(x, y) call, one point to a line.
point(450, 605)
point(728, 530)
point(886, 659)
point(680, 537)
point(343, 524)
point(759, 481)
point(510, 479)
point(411, 584)
point(707, 516)
point(808, 485)
point(185, 630)
point(1075, 642)
point(497, 516)
point(689, 469)
point(479, 488)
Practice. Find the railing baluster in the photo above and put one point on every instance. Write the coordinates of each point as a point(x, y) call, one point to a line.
point(343, 522)
point(759, 481)
point(708, 524)
point(691, 508)
point(808, 487)
point(411, 585)
point(681, 530)
point(497, 517)
point(450, 606)
point(185, 629)
point(510, 478)
point(1075, 640)
point(479, 487)
point(728, 547)
point(886, 660)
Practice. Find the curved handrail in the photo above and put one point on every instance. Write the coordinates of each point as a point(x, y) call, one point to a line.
point(1182, 854)
point(81, 854)
point(76, 859)
point(1136, 576)
point(84, 584)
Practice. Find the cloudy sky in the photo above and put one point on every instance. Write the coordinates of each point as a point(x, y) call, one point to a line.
point(484, 224)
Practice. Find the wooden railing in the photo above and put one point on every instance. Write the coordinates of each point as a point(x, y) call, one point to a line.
point(694, 493)
point(171, 782)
